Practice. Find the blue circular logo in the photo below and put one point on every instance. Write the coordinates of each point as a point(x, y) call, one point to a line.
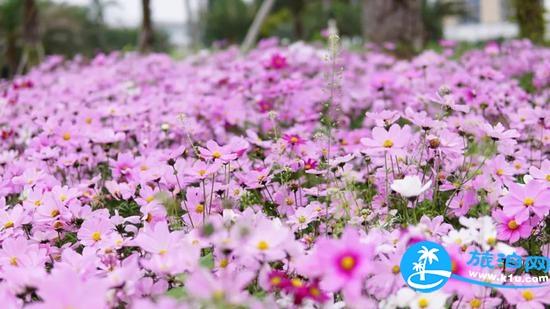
point(426, 266)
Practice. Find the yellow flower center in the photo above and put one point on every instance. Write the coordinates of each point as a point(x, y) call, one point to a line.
point(13, 261)
point(548, 177)
point(301, 219)
point(296, 282)
point(491, 241)
point(88, 120)
point(37, 203)
point(388, 143)
point(513, 225)
point(262, 245)
point(63, 197)
point(66, 136)
point(8, 224)
point(54, 213)
point(289, 201)
point(224, 262)
point(144, 168)
point(314, 291)
point(96, 236)
point(528, 295)
point(528, 201)
point(294, 140)
point(150, 198)
point(216, 155)
point(517, 166)
point(202, 172)
point(423, 302)
point(500, 172)
point(475, 303)
point(218, 295)
point(57, 225)
point(199, 209)
point(395, 269)
point(347, 263)
point(275, 281)
point(163, 251)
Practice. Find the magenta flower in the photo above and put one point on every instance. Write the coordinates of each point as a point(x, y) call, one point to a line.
point(509, 229)
point(342, 264)
point(293, 139)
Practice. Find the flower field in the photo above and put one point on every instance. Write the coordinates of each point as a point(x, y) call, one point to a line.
point(292, 176)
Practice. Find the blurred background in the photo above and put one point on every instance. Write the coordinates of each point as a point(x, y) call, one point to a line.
point(31, 29)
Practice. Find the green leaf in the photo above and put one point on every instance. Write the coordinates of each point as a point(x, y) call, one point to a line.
point(177, 293)
point(207, 261)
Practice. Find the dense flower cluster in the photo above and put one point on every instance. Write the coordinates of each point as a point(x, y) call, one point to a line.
point(274, 179)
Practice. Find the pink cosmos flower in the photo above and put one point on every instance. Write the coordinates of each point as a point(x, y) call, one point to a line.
point(542, 173)
point(386, 277)
point(18, 251)
point(267, 242)
point(521, 201)
point(12, 219)
point(90, 293)
point(499, 169)
point(509, 229)
point(202, 170)
point(278, 61)
point(499, 133)
point(476, 297)
point(124, 166)
point(95, 230)
point(216, 152)
point(342, 264)
point(228, 286)
point(302, 217)
point(462, 202)
point(392, 141)
point(293, 139)
point(527, 298)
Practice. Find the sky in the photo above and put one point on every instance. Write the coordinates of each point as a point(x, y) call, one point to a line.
point(128, 12)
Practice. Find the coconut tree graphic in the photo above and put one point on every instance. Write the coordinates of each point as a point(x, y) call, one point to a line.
point(426, 256)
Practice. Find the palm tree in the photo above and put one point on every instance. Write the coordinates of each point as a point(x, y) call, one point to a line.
point(417, 266)
point(426, 255)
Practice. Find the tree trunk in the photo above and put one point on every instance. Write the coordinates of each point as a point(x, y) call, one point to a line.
point(530, 16)
point(297, 9)
point(11, 53)
point(254, 29)
point(32, 49)
point(396, 21)
point(146, 37)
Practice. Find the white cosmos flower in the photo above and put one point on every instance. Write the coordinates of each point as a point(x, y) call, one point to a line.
point(410, 186)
